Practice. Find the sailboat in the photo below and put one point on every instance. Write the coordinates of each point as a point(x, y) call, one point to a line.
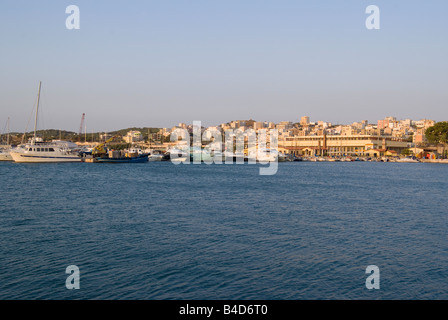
point(39, 151)
point(4, 152)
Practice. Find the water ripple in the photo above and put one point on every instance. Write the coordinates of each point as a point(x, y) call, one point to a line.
point(159, 231)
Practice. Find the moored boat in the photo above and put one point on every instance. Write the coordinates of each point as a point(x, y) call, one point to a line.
point(408, 160)
point(5, 155)
point(155, 157)
point(176, 155)
point(39, 151)
point(55, 151)
point(137, 159)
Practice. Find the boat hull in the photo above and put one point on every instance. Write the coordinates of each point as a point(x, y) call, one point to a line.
point(123, 160)
point(5, 157)
point(33, 158)
point(154, 158)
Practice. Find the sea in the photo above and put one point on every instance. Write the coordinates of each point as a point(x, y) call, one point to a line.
point(160, 231)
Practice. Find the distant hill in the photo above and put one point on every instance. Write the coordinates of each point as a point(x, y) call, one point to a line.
point(51, 134)
point(144, 131)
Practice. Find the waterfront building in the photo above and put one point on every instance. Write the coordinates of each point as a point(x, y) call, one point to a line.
point(339, 145)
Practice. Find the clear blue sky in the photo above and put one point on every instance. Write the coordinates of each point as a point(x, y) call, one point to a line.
point(158, 63)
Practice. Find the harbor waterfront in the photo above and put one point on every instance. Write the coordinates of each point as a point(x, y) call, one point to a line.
point(223, 231)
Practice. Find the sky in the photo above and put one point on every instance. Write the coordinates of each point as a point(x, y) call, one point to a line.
point(156, 63)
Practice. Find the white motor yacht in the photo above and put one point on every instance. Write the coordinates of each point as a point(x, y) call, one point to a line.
point(55, 151)
point(38, 151)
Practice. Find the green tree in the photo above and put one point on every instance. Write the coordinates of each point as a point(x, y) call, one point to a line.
point(438, 133)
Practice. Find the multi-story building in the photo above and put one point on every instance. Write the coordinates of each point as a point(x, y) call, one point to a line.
point(305, 120)
point(389, 122)
point(284, 125)
point(424, 123)
point(133, 136)
point(259, 125)
point(419, 136)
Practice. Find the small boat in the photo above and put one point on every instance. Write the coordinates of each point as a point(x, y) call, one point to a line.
point(5, 155)
point(281, 157)
point(268, 155)
point(155, 157)
point(408, 160)
point(175, 155)
point(238, 157)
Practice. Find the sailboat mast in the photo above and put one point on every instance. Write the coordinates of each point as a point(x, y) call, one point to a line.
point(7, 139)
point(37, 110)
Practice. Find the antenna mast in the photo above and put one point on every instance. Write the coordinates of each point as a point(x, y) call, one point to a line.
point(80, 126)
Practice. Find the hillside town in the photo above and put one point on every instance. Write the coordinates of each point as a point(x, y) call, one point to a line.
point(387, 137)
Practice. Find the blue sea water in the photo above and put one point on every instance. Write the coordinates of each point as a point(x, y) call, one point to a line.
point(165, 231)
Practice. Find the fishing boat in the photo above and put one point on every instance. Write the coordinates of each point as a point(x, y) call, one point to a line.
point(137, 159)
point(36, 150)
point(122, 156)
